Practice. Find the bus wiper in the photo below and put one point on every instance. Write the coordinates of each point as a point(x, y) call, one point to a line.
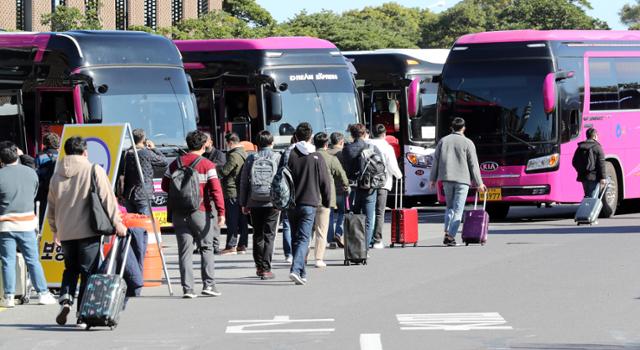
point(324, 118)
point(524, 142)
point(183, 113)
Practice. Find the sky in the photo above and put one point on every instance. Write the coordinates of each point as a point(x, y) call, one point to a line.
point(282, 10)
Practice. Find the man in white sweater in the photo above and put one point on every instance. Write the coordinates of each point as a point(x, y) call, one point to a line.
point(393, 171)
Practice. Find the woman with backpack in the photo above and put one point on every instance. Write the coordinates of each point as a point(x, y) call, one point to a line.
point(255, 199)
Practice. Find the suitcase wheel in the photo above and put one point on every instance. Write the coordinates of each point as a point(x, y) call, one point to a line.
point(364, 262)
point(403, 245)
point(347, 263)
point(415, 244)
point(467, 244)
point(392, 245)
point(88, 328)
point(482, 243)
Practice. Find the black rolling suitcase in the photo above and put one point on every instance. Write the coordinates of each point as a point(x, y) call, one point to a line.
point(355, 236)
point(105, 295)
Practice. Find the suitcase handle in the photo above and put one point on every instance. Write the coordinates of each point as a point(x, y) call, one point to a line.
point(484, 204)
point(604, 189)
point(113, 252)
point(399, 188)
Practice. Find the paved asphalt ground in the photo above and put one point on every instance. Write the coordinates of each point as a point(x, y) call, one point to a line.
point(539, 283)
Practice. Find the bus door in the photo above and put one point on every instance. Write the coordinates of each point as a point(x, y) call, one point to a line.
point(385, 110)
point(240, 110)
point(54, 108)
point(12, 126)
point(207, 113)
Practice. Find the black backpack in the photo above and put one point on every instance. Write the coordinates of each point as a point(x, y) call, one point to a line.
point(584, 160)
point(184, 188)
point(283, 190)
point(373, 172)
point(45, 173)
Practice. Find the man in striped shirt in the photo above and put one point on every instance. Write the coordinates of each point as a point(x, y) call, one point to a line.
point(18, 222)
point(200, 225)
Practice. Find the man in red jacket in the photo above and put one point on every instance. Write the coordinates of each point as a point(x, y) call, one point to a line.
point(199, 225)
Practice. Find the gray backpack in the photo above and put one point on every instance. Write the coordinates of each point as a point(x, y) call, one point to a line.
point(184, 190)
point(263, 170)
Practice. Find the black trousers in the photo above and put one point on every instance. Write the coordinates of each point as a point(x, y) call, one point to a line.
point(80, 260)
point(265, 226)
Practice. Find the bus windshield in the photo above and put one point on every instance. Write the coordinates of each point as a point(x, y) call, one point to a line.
point(324, 97)
point(500, 100)
point(154, 99)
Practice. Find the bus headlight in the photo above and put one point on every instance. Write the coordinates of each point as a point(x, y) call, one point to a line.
point(420, 160)
point(546, 162)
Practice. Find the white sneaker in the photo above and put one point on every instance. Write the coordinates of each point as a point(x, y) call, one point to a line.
point(289, 259)
point(46, 298)
point(9, 301)
point(320, 263)
point(378, 245)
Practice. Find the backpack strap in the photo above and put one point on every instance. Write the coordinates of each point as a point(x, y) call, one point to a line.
point(195, 162)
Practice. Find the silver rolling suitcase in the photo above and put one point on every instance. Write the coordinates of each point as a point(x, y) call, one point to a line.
point(590, 208)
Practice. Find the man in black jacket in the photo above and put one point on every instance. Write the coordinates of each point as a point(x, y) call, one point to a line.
point(590, 165)
point(312, 188)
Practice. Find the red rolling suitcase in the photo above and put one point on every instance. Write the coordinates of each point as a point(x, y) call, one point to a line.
point(404, 222)
point(476, 223)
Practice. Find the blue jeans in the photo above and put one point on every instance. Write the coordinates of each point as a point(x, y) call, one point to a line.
point(286, 234)
point(138, 206)
point(365, 203)
point(28, 244)
point(301, 219)
point(591, 188)
point(336, 219)
point(237, 224)
point(456, 196)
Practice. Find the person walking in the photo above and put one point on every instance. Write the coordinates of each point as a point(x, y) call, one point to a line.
point(336, 217)
point(393, 171)
point(363, 199)
point(312, 188)
point(45, 167)
point(198, 225)
point(255, 200)
point(69, 217)
point(135, 198)
point(218, 158)
point(237, 225)
point(18, 222)
point(338, 180)
point(588, 160)
point(455, 163)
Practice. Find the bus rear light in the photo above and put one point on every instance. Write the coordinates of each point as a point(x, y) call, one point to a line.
point(546, 162)
point(419, 160)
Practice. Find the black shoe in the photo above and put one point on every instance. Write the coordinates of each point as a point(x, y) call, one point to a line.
point(61, 319)
point(449, 241)
point(211, 291)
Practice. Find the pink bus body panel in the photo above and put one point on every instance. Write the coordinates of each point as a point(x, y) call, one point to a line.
point(618, 130)
point(38, 41)
point(275, 43)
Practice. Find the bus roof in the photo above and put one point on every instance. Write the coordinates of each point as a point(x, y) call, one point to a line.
point(273, 43)
point(435, 56)
point(549, 35)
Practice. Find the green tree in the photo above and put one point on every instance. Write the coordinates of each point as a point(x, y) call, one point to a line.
point(248, 11)
point(547, 14)
point(213, 25)
point(630, 15)
point(68, 18)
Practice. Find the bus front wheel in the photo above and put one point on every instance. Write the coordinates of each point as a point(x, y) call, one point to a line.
point(497, 211)
point(610, 199)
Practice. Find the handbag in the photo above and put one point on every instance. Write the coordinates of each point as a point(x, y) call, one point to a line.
point(98, 217)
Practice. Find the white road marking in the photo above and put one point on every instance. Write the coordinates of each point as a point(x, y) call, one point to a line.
point(370, 342)
point(243, 325)
point(453, 321)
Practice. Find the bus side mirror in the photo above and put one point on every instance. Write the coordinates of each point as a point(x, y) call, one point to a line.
point(549, 93)
point(273, 104)
point(413, 98)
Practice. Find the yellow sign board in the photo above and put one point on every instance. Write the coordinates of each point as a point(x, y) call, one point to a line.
point(104, 145)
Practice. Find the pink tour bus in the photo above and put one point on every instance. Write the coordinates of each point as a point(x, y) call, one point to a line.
point(529, 96)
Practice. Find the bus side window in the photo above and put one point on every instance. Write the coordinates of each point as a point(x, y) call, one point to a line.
point(10, 123)
point(206, 111)
point(56, 107)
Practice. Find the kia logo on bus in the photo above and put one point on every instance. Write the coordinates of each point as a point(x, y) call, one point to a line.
point(489, 166)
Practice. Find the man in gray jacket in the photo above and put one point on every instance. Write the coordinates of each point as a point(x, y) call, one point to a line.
point(456, 165)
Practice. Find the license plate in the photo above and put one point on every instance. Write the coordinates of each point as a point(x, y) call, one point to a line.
point(161, 216)
point(494, 194)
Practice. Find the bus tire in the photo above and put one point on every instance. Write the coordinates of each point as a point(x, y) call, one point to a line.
point(497, 211)
point(611, 197)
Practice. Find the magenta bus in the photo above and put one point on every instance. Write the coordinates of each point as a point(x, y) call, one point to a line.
point(529, 96)
point(248, 85)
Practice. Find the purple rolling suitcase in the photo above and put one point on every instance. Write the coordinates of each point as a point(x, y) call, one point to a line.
point(476, 224)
